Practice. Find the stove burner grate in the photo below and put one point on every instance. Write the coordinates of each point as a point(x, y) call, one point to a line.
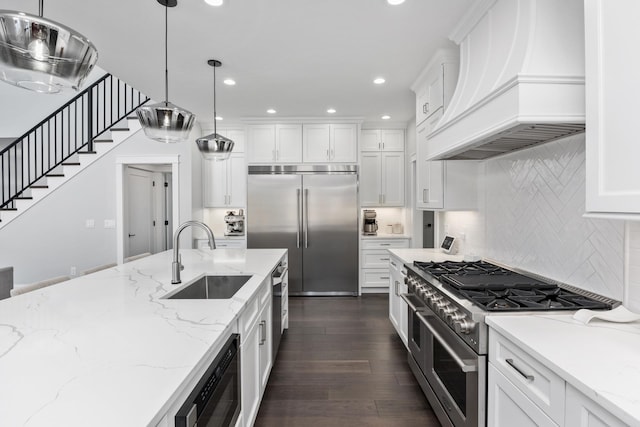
point(509, 299)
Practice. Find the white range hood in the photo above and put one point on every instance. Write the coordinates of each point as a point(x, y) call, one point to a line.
point(521, 79)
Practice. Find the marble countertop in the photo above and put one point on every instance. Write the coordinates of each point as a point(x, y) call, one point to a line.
point(601, 359)
point(107, 350)
point(419, 254)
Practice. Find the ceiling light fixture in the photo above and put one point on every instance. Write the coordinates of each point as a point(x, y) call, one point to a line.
point(42, 55)
point(271, 111)
point(331, 111)
point(395, 2)
point(386, 117)
point(379, 80)
point(214, 2)
point(166, 122)
point(215, 146)
point(229, 82)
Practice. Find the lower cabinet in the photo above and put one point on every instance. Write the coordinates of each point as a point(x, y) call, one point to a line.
point(584, 412)
point(398, 314)
point(255, 351)
point(374, 263)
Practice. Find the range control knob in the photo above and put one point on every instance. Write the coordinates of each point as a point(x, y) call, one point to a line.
point(463, 326)
point(446, 310)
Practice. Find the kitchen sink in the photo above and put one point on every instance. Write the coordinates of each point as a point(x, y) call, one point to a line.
point(212, 287)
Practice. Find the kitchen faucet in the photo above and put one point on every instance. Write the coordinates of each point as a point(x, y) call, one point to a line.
point(176, 265)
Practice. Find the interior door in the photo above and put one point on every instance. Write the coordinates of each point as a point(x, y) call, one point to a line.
point(139, 212)
point(274, 221)
point(330, 257)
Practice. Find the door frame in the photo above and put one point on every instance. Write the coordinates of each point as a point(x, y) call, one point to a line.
point(121, 163)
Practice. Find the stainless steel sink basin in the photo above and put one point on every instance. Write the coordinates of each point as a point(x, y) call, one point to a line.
point(212, 287)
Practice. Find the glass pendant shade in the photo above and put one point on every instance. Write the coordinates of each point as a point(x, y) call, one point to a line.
point(42, 55)
point(165, 122)
point(215, 146)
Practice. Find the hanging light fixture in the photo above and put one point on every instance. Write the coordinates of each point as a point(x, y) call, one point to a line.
point(215, 146)
point(42, 55)
point(166, 122)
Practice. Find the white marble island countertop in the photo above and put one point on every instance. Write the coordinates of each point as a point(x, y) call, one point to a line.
point(419, 254)
point(107, 349)
point(601, 359)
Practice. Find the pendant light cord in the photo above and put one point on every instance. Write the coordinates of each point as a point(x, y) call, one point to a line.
point(41, 8)
point(166, 53)
point(215, 115)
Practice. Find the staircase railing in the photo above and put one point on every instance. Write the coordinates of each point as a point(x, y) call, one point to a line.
point(69, 130)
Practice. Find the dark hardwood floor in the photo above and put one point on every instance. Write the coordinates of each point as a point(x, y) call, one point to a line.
point(341, 363)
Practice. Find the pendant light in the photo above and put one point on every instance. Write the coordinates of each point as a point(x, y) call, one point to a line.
point(166, 122)
point(215, 146)
point(42, 55)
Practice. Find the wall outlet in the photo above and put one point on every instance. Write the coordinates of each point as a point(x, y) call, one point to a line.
point(90, 223)
point(73, 271)
point(109, 223)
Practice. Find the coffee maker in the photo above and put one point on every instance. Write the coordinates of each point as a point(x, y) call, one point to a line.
point(369, 223)
point(235, 223)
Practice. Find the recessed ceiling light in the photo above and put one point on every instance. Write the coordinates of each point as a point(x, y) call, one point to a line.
point(229, 82)
point(379, 80)
point(220, 2)
point(392, 2)
point(219, 118)
point(271, 111)
point(331, 110)
point(386, 117)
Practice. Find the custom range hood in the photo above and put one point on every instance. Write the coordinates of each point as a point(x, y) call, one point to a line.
point(521, 79)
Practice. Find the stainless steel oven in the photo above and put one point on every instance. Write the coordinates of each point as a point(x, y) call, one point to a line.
point(215, 401)
point(451, 375)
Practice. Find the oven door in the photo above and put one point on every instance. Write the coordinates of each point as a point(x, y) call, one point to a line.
point(455, 372)
point(416, 337)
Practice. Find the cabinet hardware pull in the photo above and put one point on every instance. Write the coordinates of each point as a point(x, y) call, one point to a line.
point(384, 277)
point(263, 332)
point(385, 244)
point(306, 217)
point(424, 195)
point(518, 370)
point(277, 154)
point(328, 157)
point(384, 259)
point(393, 263)
point(383, 145)
point(396, 290)
point(333, 154)
point(298, 218)
point(379, 146)
point(383, 199)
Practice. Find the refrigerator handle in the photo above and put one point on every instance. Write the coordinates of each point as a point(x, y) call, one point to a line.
point(306, 217)
point(298, 214)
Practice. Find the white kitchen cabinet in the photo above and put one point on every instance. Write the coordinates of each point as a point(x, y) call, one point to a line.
point(382, 179)
point(225, 182)
point(436, 84)
point(509, 407)
point(374, 262)
point(330, 143)
point(584, 412)
point(612, 88)
point(382, 140)
point(274, 143)
point(447, 185)
point(398, 314)
point(236, 134)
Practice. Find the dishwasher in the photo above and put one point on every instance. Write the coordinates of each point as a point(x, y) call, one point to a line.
point(278, 281)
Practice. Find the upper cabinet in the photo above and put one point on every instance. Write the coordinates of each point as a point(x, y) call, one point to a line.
point(274, 144)
point(236, 134)
point(225, 182)
point(612, 86)
point(382, 140)
point(435, 86)
point(330, 143)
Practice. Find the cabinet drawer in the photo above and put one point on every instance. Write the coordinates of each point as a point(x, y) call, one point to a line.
point(264, 294)
point(375, 278)
point(375, 259)
point(536, 381)
point(221, 244)
point(385, 244)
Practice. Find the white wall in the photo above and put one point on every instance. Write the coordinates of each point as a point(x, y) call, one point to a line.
point(22, 109)
point(51, 237)
point(532, 219)
point(632, 252)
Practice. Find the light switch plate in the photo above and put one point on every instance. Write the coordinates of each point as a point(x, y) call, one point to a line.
point(90, 223)
point(109, 223)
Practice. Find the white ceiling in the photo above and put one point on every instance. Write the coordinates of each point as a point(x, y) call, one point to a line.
point(297, 56)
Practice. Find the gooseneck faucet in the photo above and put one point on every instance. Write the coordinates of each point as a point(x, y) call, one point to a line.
point(176, 265)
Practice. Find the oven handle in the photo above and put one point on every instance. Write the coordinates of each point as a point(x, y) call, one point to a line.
point(464, 366)
point(408, 301)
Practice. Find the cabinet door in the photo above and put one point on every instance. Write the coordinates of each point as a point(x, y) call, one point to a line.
point(289, 143)
point(394, 293)
point(261, 144)
point(215, 183)
point(613, 87)
point(431, 188)
point(344, 143)
point(393, 179)
point(580, 411)
point(392, 139)
point(370, 179)
point(436, 93)
point(507, 406)
point(422, 101)
point(370, 140)
point(315, 143)
point(238, 137)
point(236, 180)
point(250, 374)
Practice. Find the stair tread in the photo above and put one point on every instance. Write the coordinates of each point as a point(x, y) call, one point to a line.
point(119, 129)
point(71, 164)
point(103, 140)
point(87, 152)
point(8, 209)
point(54, 175)
point(38, 186)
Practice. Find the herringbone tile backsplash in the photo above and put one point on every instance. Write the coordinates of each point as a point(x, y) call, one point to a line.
point(533, 205)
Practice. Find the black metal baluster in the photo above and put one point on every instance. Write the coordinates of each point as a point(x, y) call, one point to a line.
point(90, 120)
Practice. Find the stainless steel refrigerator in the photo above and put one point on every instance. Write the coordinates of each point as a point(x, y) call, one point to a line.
point(312, 210)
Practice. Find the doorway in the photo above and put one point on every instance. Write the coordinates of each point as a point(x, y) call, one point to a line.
point(147, 204)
